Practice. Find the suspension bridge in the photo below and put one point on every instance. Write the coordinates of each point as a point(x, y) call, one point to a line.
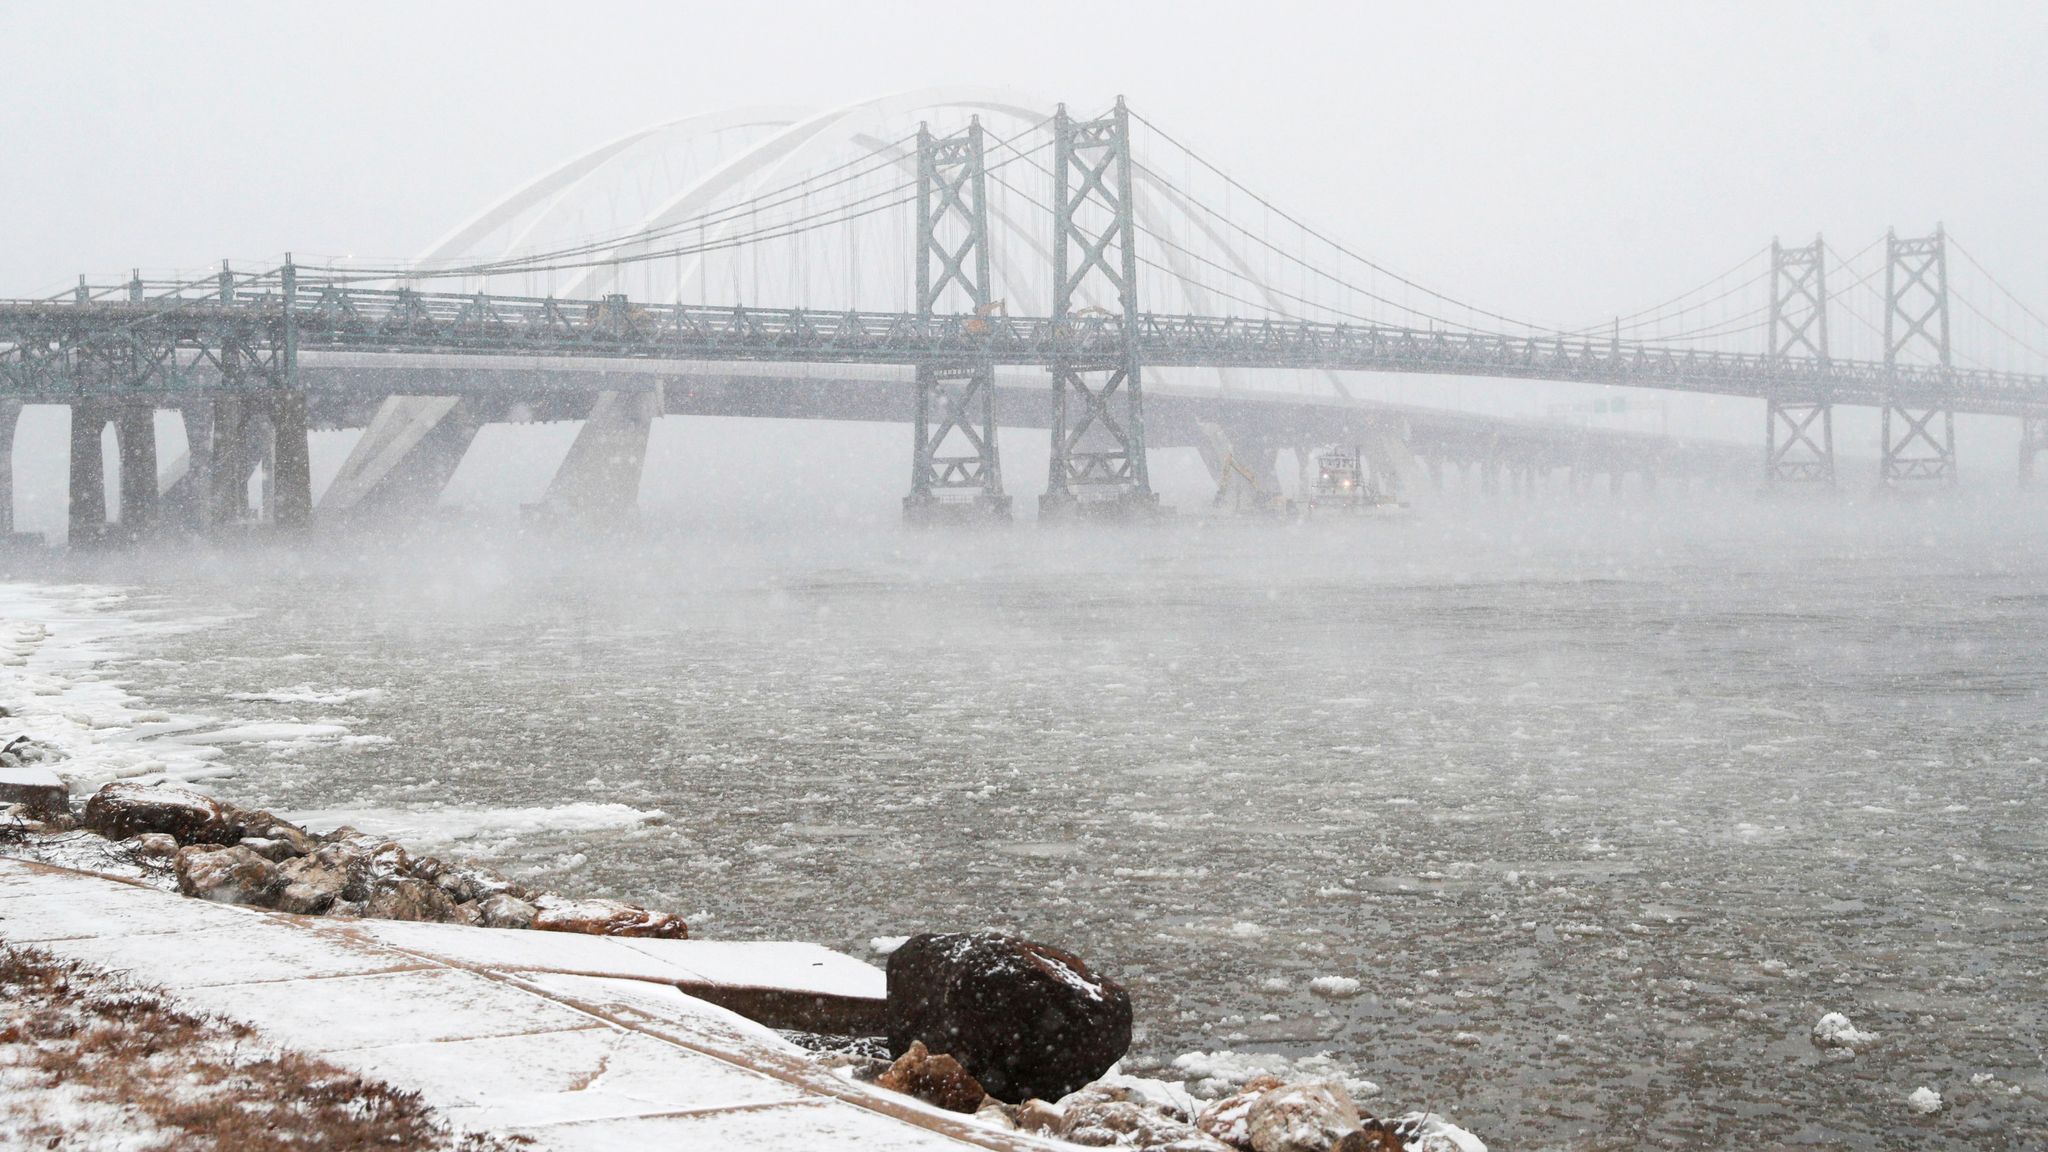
point(1093, 276)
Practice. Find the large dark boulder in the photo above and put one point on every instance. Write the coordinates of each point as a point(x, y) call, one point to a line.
point(1024, 1019)
point(123, 809)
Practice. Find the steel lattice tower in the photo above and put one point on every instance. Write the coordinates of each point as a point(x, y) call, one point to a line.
point(2033, 442)
point(1916, 317)
point(1098, 461)
point(1799, 433)
point(953, 268)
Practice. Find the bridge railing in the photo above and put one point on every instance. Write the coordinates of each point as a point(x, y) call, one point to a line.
point(336, 313)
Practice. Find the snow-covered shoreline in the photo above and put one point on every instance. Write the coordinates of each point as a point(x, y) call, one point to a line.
point(61, 646)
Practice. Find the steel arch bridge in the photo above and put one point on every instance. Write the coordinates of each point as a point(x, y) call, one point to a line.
point(1017, 236)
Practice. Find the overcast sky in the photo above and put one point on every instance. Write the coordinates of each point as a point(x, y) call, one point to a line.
point(1561, 160)
point(1555, 161)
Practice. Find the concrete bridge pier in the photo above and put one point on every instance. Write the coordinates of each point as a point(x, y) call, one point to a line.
point(135, 433)
point(230, 459)
point(598, 483)
point(411, 448)
point(290, 499)
point(243, 434)
point(184, 485)
point(2033, 442)
point(87, 493)
point(10, 418)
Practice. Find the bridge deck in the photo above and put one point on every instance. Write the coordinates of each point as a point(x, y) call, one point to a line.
point(57, 346)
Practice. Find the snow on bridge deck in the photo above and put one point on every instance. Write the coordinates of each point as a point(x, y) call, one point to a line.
point(577, 1042)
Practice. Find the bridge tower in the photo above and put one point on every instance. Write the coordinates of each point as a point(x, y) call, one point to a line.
point(1799, 428)
point(957, 452)
point(1098, 461)
point(1919, 442)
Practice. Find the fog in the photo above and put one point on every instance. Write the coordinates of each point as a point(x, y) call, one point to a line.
point(1603, 793)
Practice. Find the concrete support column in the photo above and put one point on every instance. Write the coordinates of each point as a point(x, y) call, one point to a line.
point(185, 486)
point(411, 448)
point(227, 476)
point(135, 433)
point(598, 483)
point(291, 495)
point(10, 416)
point(88, 491)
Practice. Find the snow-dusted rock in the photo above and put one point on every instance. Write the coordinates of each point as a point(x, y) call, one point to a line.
point(154, 845)
point(1229, 1119)
point(1037, 1116)
point(1024, 1018)
point(937, 1080)
point(462, 883)
point(1301, 1118)
point(39, 791)
point(1373, 1136)
point(405, 898)
point(227, 875)
point(316, 882)
point(1106, 1114)
point(1924, 1100)
point(505, 911)
point(606, 918)
point(996, 1114)
point(1129, 1124)
point(1166, 1096)
point(1835, 1030)
point(123, 809)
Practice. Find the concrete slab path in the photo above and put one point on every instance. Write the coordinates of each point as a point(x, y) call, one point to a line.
point(577, 1042)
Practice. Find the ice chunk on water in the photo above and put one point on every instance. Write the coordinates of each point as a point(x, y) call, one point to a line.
point(1334, 987)
point(1835, 1030)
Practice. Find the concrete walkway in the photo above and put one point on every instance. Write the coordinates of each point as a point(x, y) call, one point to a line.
point(578, 1042)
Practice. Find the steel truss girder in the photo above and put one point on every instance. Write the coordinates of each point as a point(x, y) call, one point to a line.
point(1799, 442)
point(957, 452)
point(1098, 460)
point(44, 343)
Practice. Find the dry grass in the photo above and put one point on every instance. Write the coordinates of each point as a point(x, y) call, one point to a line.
point(205, 1084)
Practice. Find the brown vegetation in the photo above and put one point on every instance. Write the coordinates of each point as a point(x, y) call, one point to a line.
point(205, 1084)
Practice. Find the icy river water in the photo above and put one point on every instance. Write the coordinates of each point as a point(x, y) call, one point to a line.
point(1602, 807)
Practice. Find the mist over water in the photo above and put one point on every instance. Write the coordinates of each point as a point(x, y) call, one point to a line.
point(1604, 802)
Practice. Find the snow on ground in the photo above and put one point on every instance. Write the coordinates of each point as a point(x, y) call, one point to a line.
point(1924, 1100)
